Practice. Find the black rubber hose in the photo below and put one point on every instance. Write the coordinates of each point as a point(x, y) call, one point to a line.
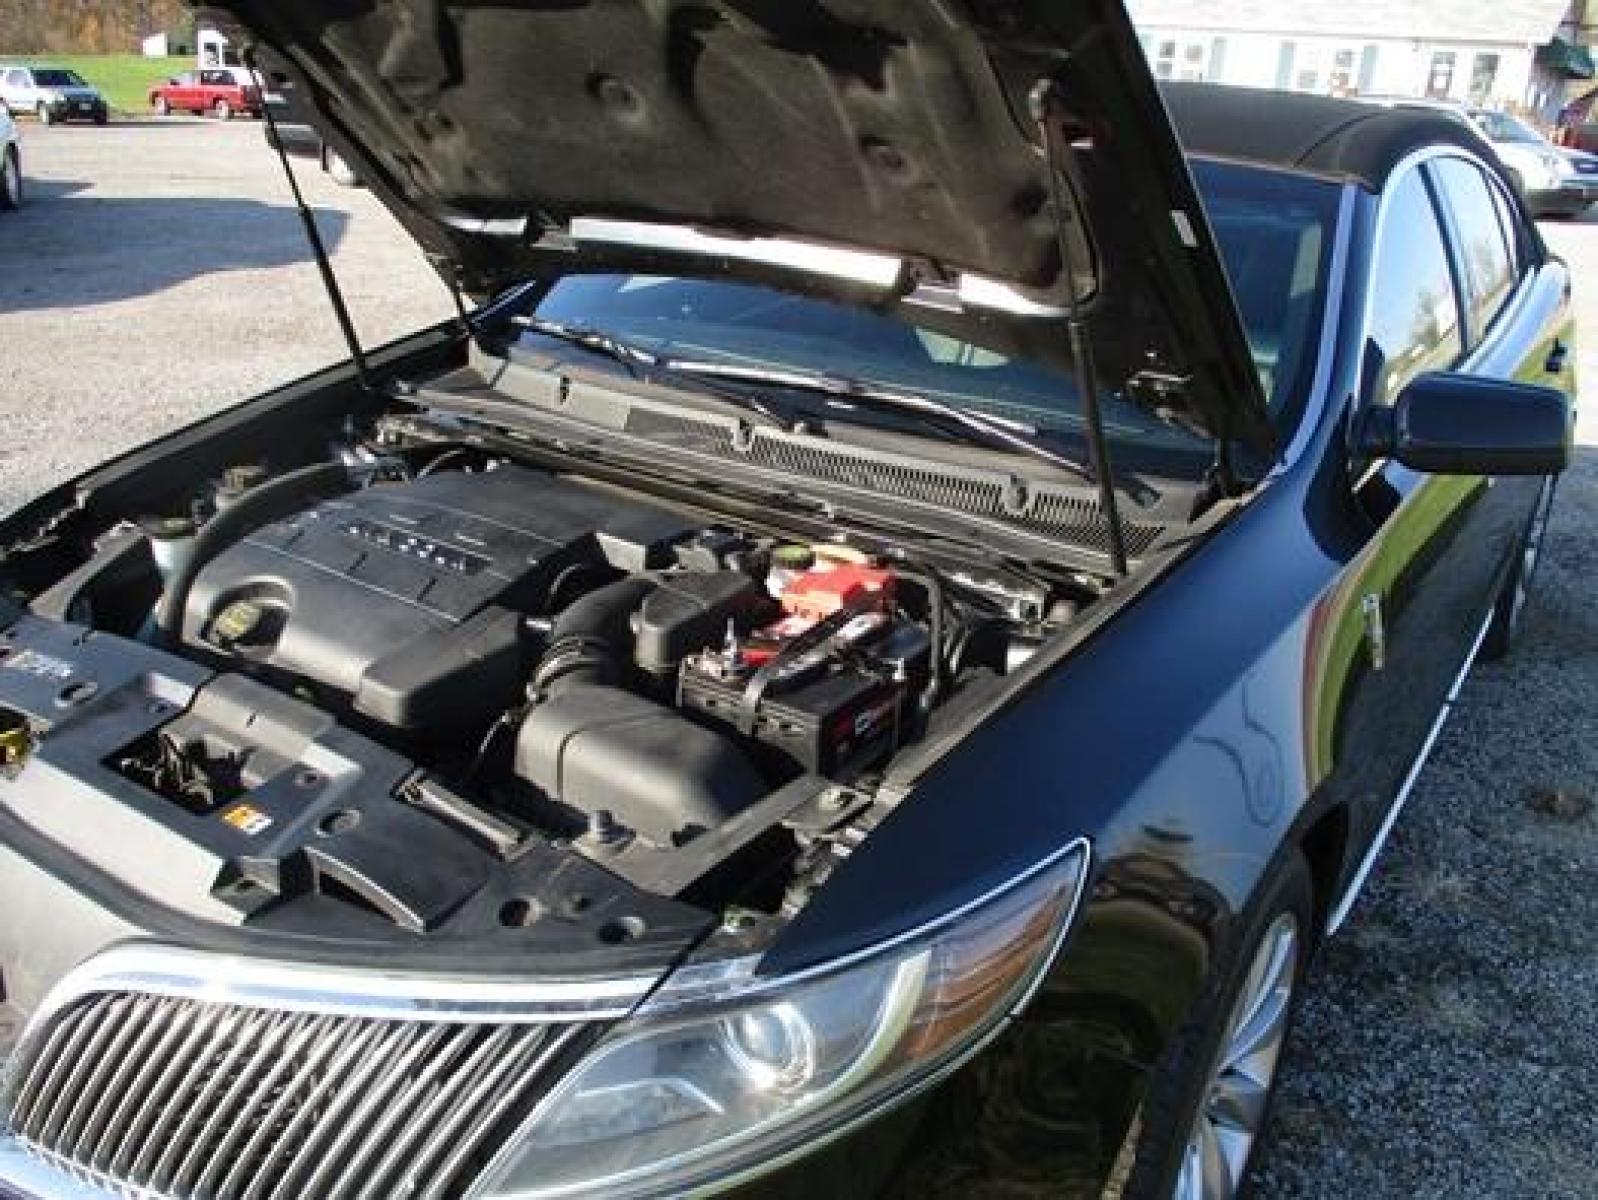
point(593, 636)
point(271, 500)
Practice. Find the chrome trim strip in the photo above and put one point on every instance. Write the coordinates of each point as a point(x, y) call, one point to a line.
point(1355, 885)
point(34, 1177)
point(163, 970)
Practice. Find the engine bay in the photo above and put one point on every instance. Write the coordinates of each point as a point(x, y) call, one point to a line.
point(425, 687)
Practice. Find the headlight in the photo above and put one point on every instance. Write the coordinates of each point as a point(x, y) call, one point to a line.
point(724, 1073)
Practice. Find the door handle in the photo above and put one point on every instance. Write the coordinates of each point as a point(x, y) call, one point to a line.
point(1556, 357)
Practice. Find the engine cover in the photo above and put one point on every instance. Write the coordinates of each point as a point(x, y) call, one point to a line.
point(409, 597)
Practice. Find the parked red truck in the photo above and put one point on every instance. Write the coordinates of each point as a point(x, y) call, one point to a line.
point(221, 91)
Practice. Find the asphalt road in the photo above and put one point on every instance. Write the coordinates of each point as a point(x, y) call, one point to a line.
point(1448, 1045)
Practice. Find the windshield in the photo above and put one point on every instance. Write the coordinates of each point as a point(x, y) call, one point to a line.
point(58, 79)
point(1274, 231)
point(1501, 127)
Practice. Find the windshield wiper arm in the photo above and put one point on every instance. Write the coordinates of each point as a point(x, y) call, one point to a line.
point(996, 431)
point(633, 357)
point(588, 338)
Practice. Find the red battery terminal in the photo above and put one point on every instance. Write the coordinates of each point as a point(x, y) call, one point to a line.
point(817, 594)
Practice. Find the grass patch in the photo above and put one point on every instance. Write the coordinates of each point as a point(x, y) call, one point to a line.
point(124, 80)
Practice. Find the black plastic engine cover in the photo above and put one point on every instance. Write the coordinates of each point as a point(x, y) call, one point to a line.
point(405, 596)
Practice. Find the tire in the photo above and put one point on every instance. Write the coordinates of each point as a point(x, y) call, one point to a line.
point(223, 110)
point(43, 113)
point(10, 180)
point(162, 108)
point(1189, 1090)
point(1504, 627)
point(102, 117)
point(338, 170)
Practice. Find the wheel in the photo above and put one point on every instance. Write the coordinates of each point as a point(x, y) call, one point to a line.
point(1210, 1097)
point(44, 113)
point(10, 179)
point(223, 110)
point(101, 116)
point(338, 170)
point(162, 108)
point(1509, 610)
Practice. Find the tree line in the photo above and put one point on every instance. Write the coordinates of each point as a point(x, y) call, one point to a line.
point(90, 26)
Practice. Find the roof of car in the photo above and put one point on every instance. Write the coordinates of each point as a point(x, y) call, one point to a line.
point(1316, 134)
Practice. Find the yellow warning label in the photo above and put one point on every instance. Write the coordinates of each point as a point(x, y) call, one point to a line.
point(247, 819)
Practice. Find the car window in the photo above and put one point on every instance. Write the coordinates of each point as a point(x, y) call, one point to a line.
point(1275, 230)
point(55, 78)
point(216, 78)
point(1489, 271)
point(1414, 314)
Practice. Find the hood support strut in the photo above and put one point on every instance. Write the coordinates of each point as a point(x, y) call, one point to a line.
point(314, 235)
point(1046, 110)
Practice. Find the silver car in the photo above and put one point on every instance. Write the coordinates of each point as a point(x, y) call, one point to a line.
point(51, 94)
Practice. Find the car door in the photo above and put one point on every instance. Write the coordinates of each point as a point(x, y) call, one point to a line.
point(214, 85)
point(186, 92)
point(19, 90)
point(1448, 290)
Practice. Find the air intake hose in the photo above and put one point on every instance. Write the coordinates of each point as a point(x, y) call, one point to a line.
point(592, 638)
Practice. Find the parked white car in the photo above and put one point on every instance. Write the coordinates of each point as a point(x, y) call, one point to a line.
point(51, 94)
point(10, 164)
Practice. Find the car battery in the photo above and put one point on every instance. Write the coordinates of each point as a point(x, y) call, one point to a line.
point(836, 722)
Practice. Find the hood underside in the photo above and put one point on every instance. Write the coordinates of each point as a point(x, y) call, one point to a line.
point(900, 127)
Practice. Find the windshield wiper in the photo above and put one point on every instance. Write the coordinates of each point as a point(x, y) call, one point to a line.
point(588, 338)
point(1001, 432)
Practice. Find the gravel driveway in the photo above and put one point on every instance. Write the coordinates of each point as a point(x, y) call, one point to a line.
point(1449, 1043)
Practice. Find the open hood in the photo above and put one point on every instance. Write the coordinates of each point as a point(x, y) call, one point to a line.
point(516, 138)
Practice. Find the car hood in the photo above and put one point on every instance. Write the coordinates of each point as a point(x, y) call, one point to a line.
point(499, 132)
point(71, 93)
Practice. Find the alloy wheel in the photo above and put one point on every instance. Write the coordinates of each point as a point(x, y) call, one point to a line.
point(1239, 1087)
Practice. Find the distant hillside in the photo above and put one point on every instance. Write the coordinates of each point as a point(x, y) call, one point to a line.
point(89, 26)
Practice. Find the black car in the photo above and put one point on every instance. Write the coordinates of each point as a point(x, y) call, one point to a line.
point(865, 662)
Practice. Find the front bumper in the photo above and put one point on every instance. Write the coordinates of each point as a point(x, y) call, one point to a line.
point(78, 110)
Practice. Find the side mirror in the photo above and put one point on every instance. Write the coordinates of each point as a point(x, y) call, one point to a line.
point(1451, 424)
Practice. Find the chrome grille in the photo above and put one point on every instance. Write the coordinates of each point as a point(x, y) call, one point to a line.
point(1047, 509)
point(180, 1097)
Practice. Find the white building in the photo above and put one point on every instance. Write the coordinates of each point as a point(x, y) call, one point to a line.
point(1507, 53)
